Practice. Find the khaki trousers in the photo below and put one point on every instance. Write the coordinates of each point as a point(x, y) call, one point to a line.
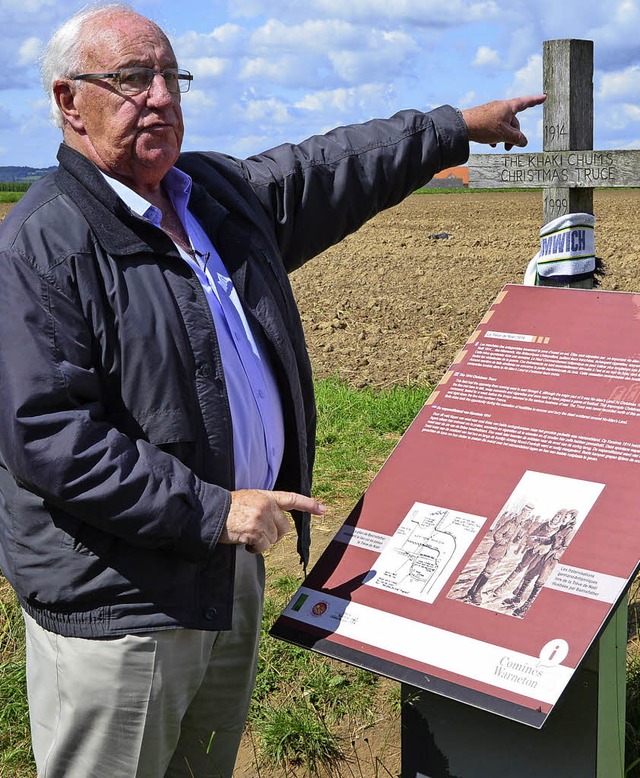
point(168, 704)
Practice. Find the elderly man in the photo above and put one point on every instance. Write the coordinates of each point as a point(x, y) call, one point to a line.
point(157, 415)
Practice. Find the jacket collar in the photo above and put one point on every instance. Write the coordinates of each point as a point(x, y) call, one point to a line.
point(118, 230)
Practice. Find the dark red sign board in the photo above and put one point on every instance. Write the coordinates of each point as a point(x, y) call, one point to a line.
point(490, 550)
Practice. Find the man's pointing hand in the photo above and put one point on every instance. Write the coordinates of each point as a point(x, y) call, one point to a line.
point(497, 122)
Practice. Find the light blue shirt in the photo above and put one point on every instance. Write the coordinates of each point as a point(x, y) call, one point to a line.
point(256, 410)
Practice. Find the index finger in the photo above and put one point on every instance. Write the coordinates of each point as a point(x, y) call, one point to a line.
point(522, 103)
point(291, 501)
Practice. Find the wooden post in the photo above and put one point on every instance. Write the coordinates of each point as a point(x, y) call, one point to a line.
point(568, 125)
point(567, 117)
point(568, 169)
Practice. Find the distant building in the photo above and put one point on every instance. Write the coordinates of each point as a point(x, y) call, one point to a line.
point(451, 178)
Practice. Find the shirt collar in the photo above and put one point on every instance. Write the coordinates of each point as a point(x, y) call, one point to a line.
point(177, 185)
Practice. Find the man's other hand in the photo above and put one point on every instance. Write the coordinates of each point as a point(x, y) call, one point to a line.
point(257, 517)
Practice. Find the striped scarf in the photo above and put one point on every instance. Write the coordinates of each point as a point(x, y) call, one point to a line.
point(567, 250)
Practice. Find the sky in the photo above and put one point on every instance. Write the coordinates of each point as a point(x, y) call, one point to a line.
point(282, 70)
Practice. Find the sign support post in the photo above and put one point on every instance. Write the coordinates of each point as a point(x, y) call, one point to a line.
point(612, 664)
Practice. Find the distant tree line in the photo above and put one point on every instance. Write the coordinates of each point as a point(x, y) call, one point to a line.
point(12, 174)
point(13, 186)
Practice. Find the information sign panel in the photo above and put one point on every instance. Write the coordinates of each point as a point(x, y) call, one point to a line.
point(488, 553)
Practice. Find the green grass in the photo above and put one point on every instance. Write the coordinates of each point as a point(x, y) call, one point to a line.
point(429, 190)
point(292, 673)
point(295, 736)
point(14, 186)
point(15, 749)
point(357, 430)
point(10, 197)
point(306, 706)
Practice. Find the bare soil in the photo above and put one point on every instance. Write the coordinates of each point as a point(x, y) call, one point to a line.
point(393, 303)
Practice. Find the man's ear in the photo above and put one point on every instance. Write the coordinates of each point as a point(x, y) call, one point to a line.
point(65, 95)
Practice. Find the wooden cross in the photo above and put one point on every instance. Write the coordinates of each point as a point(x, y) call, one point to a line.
point(568, 169)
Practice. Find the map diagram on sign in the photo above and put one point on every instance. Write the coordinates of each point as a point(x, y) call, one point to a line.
point(424, 551)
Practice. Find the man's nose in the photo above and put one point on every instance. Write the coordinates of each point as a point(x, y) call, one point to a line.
point(158, 89)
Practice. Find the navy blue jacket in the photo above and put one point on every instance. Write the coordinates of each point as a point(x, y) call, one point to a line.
point(116, 454)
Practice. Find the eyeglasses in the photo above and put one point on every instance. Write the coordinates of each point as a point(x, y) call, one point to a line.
point(134, 81)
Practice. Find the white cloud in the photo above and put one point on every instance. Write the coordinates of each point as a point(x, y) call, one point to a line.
point(633, 112)
point(36, 116)
point(344, 101)
point(617, 118)
point(271, 111)
point(619, 125)
point(387, 60)
point(288, 70)
point(199, 101)
point(620, 85)
point(315, 53)
point(316, 33)
point(226, 40)
point(249, 144)
point(467, 100)
point(7, 118)
point(427, 13)
point(29, 51)
point(617, 39)
point(486, 57)
point(25, 6)
point(209, 67)
point(321, 53)
point(528, 79)
point(228, 34)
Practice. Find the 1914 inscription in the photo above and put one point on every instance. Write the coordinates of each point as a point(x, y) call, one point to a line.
point(552, 132)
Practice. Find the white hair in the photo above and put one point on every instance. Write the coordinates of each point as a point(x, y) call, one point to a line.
point(63, 56)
